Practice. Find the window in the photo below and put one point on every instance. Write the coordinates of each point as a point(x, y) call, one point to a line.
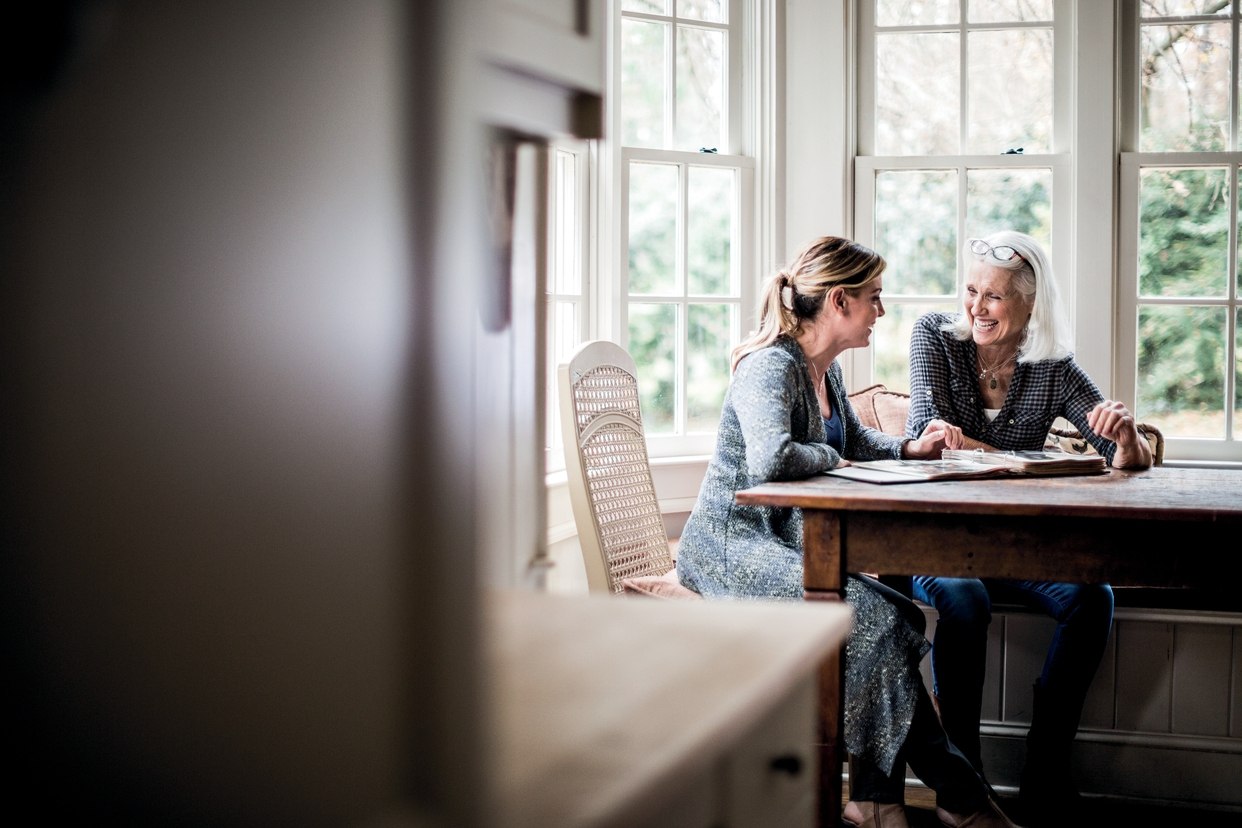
point(961, 132)
point(651, 235)
point(1179, 311)
point(684, 224)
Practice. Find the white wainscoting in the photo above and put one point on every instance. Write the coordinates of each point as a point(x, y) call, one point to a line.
point(1163, 719)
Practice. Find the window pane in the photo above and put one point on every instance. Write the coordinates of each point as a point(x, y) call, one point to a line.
point(709, 341)
point(1183, 232)
point(643, 73)
point(1181, 370)
point(915, 221)
point(1010, 200)
point(709, 232)
point(1185, 94)
point(1009, 11)
point(563, 338)
point(1010, 94)
point(1237, 376)
point(700, 89)
point(1176, 8)
point(564, 334)
point(713, 10)
point(652, 6)
point(905, 13)
point(917, 118)
point(653, 228)
point(892, 338)
point(652, 343)
point(566, 240)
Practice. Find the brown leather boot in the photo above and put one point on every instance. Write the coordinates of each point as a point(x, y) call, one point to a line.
point(989, 816)
point(878, 815)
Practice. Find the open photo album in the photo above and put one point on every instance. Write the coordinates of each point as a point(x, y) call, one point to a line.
point(968, 464)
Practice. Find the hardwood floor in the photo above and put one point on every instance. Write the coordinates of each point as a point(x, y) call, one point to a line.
point(921, 812)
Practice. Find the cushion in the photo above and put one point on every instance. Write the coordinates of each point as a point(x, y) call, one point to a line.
point(665, 586)
point(877, 407)
point(891, 408)
point(863, 405)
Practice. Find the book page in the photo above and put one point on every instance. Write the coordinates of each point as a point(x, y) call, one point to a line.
point(1037, 461)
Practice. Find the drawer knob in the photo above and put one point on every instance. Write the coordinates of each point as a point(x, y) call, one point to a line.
point(789, 763)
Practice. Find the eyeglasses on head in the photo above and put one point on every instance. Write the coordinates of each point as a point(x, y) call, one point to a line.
point(1001, 252)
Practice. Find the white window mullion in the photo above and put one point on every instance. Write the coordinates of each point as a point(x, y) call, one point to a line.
point(740, 64)
point(963, 80)
point(621, 256)
point(864, 84)
point(670, 86)
point(1231, 335)
point(683, 310)
point(764, 116)
point(1125, 377)
point(680, 362)
point(1083, 200)
point(1233, 73)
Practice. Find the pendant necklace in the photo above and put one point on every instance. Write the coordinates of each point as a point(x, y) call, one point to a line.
point(989, 372)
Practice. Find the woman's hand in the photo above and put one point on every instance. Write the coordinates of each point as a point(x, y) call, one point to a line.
point(1113, 421)
point(937, 435)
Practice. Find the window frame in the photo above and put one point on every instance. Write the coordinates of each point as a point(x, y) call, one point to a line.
point(1060, 160)
point(1226, 450)
point(753, 133)
point(742, 108)
point(1083, 163)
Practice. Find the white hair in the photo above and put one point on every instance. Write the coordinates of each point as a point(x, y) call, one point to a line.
point(1047, 334)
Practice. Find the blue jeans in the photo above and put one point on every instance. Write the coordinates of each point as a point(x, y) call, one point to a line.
point(1084, 616)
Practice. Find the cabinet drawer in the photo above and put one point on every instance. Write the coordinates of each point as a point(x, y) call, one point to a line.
point(770, 777)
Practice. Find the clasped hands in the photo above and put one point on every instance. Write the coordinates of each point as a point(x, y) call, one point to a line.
point(1113, 421)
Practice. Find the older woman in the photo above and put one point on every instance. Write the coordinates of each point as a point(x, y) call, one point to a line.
point(1000, 373)
point(786, 416)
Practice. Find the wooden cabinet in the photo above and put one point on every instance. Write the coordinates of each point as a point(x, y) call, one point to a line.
point(770, 775)
point(632, 712)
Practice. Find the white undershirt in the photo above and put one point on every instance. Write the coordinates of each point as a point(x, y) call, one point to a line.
point(991, 413)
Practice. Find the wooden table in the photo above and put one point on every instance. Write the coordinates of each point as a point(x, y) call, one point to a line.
point(1162, 527)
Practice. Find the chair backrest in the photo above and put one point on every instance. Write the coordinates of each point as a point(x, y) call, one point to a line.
point(614, 500)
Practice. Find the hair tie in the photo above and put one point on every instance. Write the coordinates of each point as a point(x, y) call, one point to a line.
point(787, 291)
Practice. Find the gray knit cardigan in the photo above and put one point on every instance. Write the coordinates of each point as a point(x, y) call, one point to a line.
point(771, 429)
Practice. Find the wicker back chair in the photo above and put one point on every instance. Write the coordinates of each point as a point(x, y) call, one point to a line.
point(620, 528)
